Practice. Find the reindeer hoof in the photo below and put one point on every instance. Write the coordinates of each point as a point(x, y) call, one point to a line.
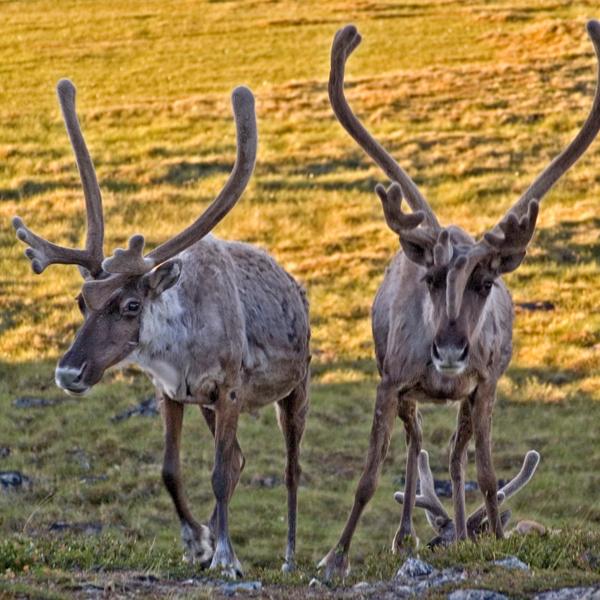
point(335, 565)
point(405, 544)
point(198, 544)
point(289, 566)
point(225, 561)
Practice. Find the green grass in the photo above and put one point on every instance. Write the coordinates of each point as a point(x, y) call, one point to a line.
point(473, 99)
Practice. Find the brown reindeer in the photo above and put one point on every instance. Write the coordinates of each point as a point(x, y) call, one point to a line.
point(441, 522)
point(442, 318)
point(213, 323)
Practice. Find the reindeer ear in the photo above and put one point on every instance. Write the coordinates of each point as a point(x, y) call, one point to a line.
point(417, 251)
point(507, 264)
point(162, 278)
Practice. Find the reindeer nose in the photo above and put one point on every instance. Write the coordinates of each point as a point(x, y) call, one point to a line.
point(70, 379)
point(450, 357)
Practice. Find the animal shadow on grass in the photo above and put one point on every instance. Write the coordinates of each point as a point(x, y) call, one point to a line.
point(185, 172)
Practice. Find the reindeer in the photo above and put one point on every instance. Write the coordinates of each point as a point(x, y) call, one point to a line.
point(213, 323)
point(442, 523)
point(442, 318)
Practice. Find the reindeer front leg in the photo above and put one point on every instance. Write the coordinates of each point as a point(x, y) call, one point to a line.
point(481, 413)
point(458, 455)
point(225, 475)
point(196, 538)
point(407, 411)
point(336, 562)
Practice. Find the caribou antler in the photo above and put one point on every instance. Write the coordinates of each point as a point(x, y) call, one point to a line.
point(344, 43)
point(437, 516)
point(131, 262)
point(527, 203)
point(530, 464)
point(42, 252)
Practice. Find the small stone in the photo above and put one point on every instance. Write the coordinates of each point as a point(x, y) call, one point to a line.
point(574, 593)
point(476, 595)
point(12, 480)
point(314, 583)
point(414, 567)
point(4, 451)
point(264, 481)
point(229, 589)
point(85, 528)
point(361, 585)
point(146, 408)
point(544, 305)
point(511, 562)
point(34, 402)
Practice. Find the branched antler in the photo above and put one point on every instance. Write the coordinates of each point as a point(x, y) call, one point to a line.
point(569, 156)
point(345, 42)
point(42, 252)
point(441, 521)
point(131, 261)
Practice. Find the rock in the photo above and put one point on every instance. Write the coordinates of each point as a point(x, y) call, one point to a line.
point(414, 567)
point(80, 456)
point(533, 306)
point(229, 589)
point(476, 595)
point(34, 402)
point(146, 408)
point(314, 583)
point(12, 480)
point(574, 593)
point(361, 586)
point(93, 479)
point(4, 451)
point(85, 528)
point(511, 562)
point(265, 481)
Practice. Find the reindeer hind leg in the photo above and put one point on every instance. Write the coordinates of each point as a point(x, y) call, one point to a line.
point(291, 416)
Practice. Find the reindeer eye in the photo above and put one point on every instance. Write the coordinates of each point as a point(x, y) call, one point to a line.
point(486, 287)
point(132, 307)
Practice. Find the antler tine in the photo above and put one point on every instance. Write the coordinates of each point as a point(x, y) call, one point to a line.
point(132, 262)
point(91, 190)
point(428, 486)
point(42, 252)
point(402, 223)
point(517, 233)
point(523, 477)
point(427, 499)
point(443, 250)
point(569, 156)
point(344, 43)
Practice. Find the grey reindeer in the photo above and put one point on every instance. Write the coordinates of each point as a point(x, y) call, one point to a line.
point(442, 319)
point(441, 522)
point(213, 323)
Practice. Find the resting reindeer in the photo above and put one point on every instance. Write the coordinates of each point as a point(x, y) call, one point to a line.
point(213, 323)
point(442, 318)
point(439, 519)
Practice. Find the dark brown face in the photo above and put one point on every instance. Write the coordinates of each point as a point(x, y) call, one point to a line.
point(110, 334)
point(454, 337)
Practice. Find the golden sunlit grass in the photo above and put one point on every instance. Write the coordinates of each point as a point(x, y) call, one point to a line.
point(472, 99)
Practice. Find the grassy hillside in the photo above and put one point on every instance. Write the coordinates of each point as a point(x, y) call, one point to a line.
point(473, 99)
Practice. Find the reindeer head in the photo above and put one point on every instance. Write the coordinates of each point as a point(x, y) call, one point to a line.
point(438, 518)
point(459, 273)
point(116, 289)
